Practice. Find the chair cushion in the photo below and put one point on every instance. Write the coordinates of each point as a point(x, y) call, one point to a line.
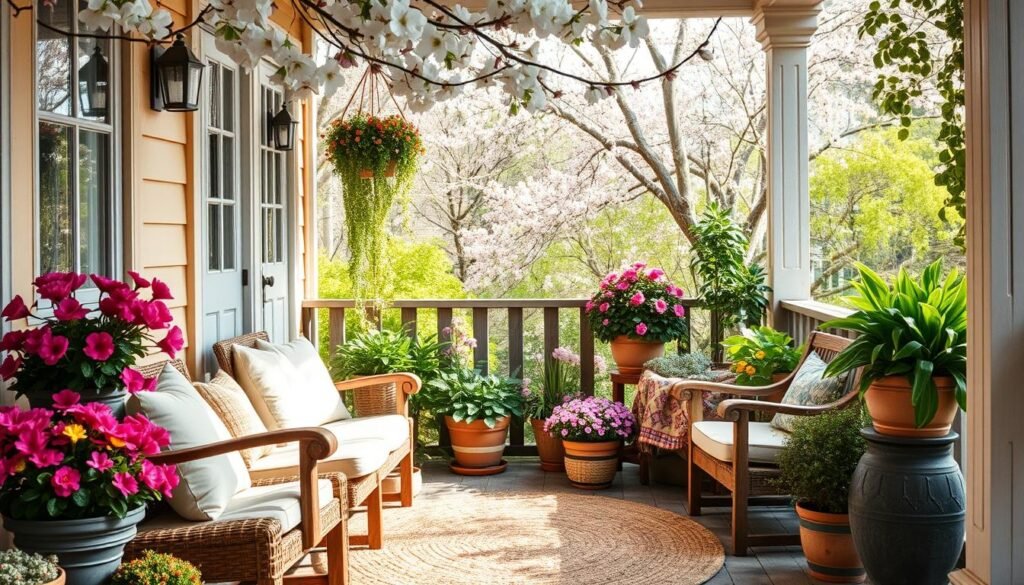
point(207, 485)
point(393, 429)
point(316, 382)
point(810, 387)
point(353, 458)
point(280, 502)
point(232, 406)
point(715, 438)
point(272, 384)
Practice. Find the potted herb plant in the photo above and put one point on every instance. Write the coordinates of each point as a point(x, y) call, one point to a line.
point(20, 568)
point(477, 412)
point(761, 356)
point(912, 344)
point(376, 159)
point(157, 569)
point(75, 474)
point(637, 311)
point(816, 466)
point(592, 430)
point(85, 347)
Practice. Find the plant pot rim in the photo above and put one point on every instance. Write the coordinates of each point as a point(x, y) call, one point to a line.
point(60, 578)
point(942, 383)
point(589, 442)
point(128, 518)
point(628, 339)
point(803, 510)
point(498, 420)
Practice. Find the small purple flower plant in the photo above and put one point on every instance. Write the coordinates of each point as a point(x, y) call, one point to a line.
point(591, 419)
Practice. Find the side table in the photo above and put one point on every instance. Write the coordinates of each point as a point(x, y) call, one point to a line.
point(630, 454)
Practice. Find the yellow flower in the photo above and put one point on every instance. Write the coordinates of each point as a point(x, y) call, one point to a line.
point(751, 370)
point(19, 466)
point(75, 432)
point(759, 355)
point(741, 364)
point(115, 442)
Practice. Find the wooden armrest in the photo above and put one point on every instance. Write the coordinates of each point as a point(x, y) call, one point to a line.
point(686, 388)
point(314, 444)
point(730, 409)
point(407, 383)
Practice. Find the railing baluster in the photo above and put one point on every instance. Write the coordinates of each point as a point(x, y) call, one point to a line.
point(480, 333)
point(515, 364)
point(444, 321)
point(586, 355)
point(550, 331)
point(335, 329)
point(409, 321)
point(308, 325)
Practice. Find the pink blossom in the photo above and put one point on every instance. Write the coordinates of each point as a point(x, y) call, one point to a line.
point(12, 341)
point(139, 281)
point(57, 286)
point(15, 309)
point(134, 381)
point(95, 415)
point(119, 303)
point(161, 292)
point(70, 310)
point(641, 329)
point(630, 275)
point(623, 285)
point(639, 265)
point(173, 342)
point(637, 299)
point(152, 314)
point(679, 310)
point(100, 461)
point(65, 399)
point(126, 483)
point(52, 347)
point(163, 478)
point(99, 346)
point(660, 306)
point(590, 306)
point(9, 367)
point(66, 481)
point(605, 322)
point(604, 307)
point(106, 284)
point(655, 274)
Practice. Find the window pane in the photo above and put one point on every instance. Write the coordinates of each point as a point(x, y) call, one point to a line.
point(215, 97)
point(94, 203)
point(214, 166)
point(228, 144)
point(93, 78)
point(227, 89)
point(213, 235)
point(53, 57)
point(279, 235)
point(268, 235)
point(56, 224)
point(229, 237)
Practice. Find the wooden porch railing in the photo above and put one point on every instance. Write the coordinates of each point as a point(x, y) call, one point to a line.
point(337, 310)
point(803, 317)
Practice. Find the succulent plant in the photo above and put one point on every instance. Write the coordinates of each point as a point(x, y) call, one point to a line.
point(157, 569)
point(22, 568)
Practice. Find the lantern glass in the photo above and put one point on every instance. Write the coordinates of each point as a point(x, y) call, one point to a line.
point(282, 129)
point(93, 81)
point(180, 77)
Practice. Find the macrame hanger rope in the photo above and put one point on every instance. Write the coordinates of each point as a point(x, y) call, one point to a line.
point(373, 94)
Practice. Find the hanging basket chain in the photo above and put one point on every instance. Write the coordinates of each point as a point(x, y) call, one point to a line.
point(373, 94)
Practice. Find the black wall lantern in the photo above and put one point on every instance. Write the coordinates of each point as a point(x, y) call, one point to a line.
point(176, 77)
point(282, 129)
point(93, 78)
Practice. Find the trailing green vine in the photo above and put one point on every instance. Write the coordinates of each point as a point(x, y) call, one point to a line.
point(903, 42)
point(376, 159)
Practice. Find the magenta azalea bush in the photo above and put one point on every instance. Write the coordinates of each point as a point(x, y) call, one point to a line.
point(591, 419)
point(639, 303)
point(78, 461)
point(87, 347)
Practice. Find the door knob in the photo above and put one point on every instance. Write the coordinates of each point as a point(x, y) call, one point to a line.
point(268, 281)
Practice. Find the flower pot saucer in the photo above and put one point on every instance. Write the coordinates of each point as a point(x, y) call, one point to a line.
point(474, 471)
point(556, 467)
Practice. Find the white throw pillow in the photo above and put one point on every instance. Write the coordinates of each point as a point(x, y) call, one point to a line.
point(316, 384)
point(207, 485)
point(276, 389)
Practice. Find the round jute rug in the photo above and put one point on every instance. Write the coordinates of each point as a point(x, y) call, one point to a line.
point(492, 538)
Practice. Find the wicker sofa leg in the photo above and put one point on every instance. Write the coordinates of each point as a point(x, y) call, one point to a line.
point(337, 554)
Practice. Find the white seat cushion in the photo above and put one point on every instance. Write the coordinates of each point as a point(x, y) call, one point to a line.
point(317, 385)
point(353, 458)
point(280, 502)
point(392, 428)
point(207, 485)
point(715, 438)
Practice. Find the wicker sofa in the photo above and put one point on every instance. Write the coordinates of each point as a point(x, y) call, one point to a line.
point(382, 416)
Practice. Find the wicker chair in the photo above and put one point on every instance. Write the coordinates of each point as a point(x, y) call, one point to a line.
point(733, 468)
point(258, 549)
point(377, 396)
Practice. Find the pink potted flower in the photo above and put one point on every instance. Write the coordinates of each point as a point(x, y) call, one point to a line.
point(87, 346)
point(592, 430)
point(637, 311)
point(74, 473)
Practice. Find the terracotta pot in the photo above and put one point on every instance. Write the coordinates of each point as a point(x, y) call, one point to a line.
point(391, 486)
point(475, 444)
point(828, 546)
point(591, 465)
point(388, 172)
point(776, 396)
point(888, 401)
point(631, 354)
point(550, 449)
point(59, 580)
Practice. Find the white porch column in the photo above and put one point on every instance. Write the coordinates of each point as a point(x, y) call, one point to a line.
point(784, 29)
point(994, 45)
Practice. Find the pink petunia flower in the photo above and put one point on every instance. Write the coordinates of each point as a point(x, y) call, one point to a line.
point(12, 341)
point(99, 346)
point(126, 483)
point(173, 342)
point(161, 292)
point(57, 286)
point(623, 285)
point(66, 481)
point(70, 310)
point(660, 306)
point(15, 309)
point(134, 381)
point(139, 281)
point(604, 307)
point(605, 322)
point(637, 299)
point(65, 399)
point(52, 347)
point(641, 329)
point(9, 367)
point(679, 310)
point(655, 274)
point(100, 461)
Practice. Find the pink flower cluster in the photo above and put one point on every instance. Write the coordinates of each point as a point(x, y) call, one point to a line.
point(637, 301)
point(116, 328)
point(591, 419)
point(77, 447)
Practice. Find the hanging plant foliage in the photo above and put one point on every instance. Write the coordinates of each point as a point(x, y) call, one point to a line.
point(376, 159)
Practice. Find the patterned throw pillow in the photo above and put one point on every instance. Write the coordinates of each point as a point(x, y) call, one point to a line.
point(232, 406)
point(810, 388)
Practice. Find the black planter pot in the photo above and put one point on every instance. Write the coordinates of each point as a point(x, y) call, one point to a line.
point(115, 399)
point(907, 509)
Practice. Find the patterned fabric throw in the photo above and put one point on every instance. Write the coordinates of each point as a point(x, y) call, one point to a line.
point(232, 406)
point(662, 417)
point(810, 388)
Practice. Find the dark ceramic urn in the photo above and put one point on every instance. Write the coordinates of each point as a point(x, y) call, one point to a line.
point(907, 509)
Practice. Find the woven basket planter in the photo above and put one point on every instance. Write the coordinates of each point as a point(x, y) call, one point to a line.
point(591, 465)
point(374, 400)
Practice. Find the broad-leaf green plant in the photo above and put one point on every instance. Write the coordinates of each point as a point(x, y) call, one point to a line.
point(758, 353)
point(472, 396)
point(915, 328)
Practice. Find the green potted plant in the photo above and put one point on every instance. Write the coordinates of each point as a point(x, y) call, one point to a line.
point(688, 366)
point(816, 467)
point(592, 430)
point(637, 311)
point(477, 412)
point(376, 159)
point(731, 289)
point(21, 568)
point(912, 344)
point(74, 474)
point(761, 356)
point(157, 569)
